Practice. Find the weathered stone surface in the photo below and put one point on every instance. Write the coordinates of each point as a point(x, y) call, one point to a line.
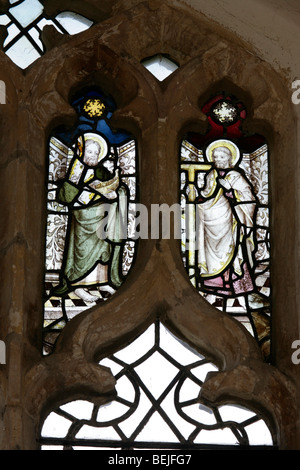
point(158, 114)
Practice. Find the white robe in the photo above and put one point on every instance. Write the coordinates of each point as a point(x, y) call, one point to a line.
point(220, 236)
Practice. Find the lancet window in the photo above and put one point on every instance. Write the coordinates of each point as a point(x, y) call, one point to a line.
point(91, 188)
point(225, 216)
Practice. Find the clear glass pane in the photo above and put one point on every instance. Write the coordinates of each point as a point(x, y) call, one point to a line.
point(156, 373)
point(125, 389)
point(27, 11)
point(237, 413)
point(25, 14)
point(162, 431)
point(55, 426)
point(12, 32)
point(80, 409)
point(72, 22)
point(45, 22)
point(113, 366)
point(4, 20)
point(259, 434)
point(161, 67)
point(90, 432)
point(111, 411)
point(200, 413)
point(35, 34)
point(131, 424)
point(52, 448)
point(23, 53)
point(178, 350)
point(217, 436)
point(188, 391)
point(138, 348)
point(158, 401)
point(182, 425)
point(201, 371)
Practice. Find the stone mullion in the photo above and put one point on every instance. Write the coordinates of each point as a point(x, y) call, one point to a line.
point(16, 170)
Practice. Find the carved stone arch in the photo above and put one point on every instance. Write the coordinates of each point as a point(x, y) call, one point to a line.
point(158, 114)
point(72, 369)
point(272, 115)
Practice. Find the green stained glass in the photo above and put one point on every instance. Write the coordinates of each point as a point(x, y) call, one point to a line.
point(225, 217)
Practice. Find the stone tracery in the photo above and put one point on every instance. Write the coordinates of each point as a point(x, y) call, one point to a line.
point(98, 55)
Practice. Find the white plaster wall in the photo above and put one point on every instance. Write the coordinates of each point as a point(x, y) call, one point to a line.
point(272, 27)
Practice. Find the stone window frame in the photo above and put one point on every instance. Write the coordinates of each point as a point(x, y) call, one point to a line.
point(158, 115)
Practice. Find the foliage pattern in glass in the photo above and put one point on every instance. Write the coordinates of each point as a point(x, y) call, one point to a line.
point(91, 187)
point(225, 216)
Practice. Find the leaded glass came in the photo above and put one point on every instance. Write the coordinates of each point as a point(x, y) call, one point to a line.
point(24, 22)
point(157, 406)
point(91, 187)
point(225, 217)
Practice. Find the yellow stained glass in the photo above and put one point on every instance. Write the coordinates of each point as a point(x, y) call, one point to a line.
point(94, 107)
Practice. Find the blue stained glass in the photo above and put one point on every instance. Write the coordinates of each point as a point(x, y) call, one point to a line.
point(117, 137)
point(87, 123)
point(88, 249)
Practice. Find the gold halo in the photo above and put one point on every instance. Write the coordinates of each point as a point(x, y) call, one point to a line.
point(96, 138)
point(223, 143)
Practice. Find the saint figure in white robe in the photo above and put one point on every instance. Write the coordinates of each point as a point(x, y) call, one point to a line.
point(226, 209)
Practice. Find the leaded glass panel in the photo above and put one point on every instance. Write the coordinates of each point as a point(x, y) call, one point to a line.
point(225, 216)
point(158, 405)
point(91, 188)
point(24, 22)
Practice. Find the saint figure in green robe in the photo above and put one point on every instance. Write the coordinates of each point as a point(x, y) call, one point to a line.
point(94, 196)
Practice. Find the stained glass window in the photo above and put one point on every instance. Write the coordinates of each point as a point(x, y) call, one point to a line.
point(24, 22)
point(91, 190)
point(225, 216)
point(158, 406)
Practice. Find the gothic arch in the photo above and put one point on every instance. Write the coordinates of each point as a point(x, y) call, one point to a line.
point(157, 114)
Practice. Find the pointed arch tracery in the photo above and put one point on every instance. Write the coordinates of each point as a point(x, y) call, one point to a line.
point(158, 272)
